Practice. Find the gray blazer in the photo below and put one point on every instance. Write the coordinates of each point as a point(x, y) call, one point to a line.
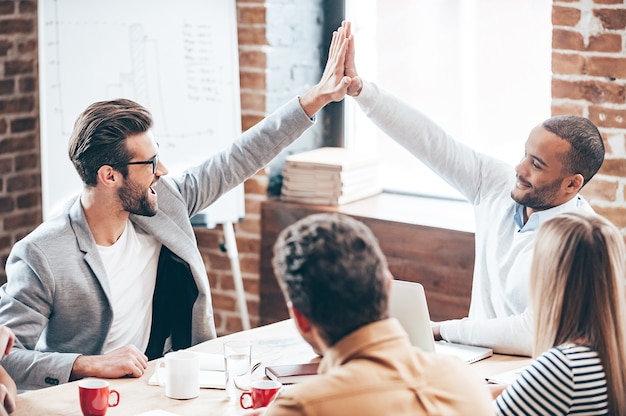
point(57, 298)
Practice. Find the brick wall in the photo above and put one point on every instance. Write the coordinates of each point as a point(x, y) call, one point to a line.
point(589, 79)
point(20, 183)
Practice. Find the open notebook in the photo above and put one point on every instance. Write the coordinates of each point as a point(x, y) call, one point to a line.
point(407, 304)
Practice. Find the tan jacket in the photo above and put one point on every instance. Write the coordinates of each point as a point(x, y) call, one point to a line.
point(376, 371)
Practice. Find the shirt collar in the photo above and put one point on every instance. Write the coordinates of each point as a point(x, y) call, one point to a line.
point(538, 217)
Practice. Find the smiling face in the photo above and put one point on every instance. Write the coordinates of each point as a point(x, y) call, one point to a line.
point(541, 182)
point(137, 195)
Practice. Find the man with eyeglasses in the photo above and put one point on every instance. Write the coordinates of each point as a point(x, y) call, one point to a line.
point(117, 278)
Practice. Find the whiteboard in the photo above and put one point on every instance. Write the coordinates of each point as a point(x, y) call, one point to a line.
point(179, 59)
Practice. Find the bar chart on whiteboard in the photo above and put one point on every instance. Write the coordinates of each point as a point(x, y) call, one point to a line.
point(178, 59)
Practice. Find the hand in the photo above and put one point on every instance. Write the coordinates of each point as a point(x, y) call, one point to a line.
point(124, 361)
point(356, 83)
point(7, 400)
point(7, 338)
point(333, 85)
point(436, 327)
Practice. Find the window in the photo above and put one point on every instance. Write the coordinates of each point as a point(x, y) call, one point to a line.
point(478, 68)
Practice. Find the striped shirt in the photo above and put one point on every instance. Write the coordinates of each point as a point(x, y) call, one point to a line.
point(565, 380)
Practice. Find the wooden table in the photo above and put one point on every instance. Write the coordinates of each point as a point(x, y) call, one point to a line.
point(277, 343)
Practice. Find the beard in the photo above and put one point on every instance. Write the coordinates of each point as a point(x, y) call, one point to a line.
point(539, 198)
point(135, 200)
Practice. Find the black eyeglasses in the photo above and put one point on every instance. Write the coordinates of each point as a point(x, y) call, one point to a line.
point(154, 162)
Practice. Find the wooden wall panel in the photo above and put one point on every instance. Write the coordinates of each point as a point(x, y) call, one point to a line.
point(441, 259)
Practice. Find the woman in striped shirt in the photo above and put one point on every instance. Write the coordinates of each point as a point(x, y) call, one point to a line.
point(577, 293)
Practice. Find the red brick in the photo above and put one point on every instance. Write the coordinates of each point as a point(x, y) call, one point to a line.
point(600, 190)
point(249, 226)
point(567, 40)
point(20, 220)
point(17, 105)
point(609, 67)
point(617, 215)
point(27, 46)
point(253, 206)
point(612, 19)
point(5, 46)
point(20, 125)
point(6, 243)
point(23, 182)
point(28, 6)
point(11, 26)
point(251, 35)
point(605, 42)
point(253, 101)
point(26, 162)
point(568, 63)
point(19, 67)
point(28, 84)
point(607, 117)
point(248, 244)
point(6, 165)
point(252, 58)
point(252, 80)
point(13, 144)
point(7, 7)
point(29, 200)
point(249, 120)
point(7, 204)
point(592, 91)
point(224, 302)
point(614, 167)
point(257, 185)
point(251, 15)
point(567, 108)
point(565, 16)
point(7, 86)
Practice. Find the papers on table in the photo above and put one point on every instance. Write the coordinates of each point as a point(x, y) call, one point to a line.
point(507, 377)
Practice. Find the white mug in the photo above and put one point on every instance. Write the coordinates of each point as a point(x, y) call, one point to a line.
point(182, 374)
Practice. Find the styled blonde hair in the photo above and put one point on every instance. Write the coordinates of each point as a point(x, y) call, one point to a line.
point(577, 287)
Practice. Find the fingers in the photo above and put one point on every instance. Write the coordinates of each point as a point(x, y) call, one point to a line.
point(7, 339)
point(7, 400)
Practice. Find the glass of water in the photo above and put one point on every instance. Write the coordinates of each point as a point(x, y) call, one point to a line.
point(237, 367)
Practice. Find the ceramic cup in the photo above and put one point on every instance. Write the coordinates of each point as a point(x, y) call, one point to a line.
point(261, 393)
point(96, 397)
point(179, 372)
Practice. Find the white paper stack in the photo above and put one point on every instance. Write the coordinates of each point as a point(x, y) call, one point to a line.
point(330, 176)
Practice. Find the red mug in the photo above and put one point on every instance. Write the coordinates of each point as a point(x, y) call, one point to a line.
point(261, 393)
point(95, 397)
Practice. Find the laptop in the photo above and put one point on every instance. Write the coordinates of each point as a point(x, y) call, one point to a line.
point(407, 303)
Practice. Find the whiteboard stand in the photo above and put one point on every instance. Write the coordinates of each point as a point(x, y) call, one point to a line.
point(230, 243)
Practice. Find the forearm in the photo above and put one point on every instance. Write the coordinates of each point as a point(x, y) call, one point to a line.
point(512, 335)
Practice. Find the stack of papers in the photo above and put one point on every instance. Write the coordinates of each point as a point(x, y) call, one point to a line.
point(330, 176)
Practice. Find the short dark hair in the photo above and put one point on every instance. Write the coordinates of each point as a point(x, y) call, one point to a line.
point(100, 133)
point(333, 271)
point(587, 148)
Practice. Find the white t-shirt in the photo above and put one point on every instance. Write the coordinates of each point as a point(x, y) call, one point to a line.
point(131, 266)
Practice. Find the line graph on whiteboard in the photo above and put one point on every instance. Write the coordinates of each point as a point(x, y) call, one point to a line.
point(178, 59)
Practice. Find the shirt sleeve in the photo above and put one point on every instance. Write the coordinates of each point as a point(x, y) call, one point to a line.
point(511, 335)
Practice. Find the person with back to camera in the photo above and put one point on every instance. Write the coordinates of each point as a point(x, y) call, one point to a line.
point(561, 155)
point(117, 278)
point(577, 296)
point(336, 283)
